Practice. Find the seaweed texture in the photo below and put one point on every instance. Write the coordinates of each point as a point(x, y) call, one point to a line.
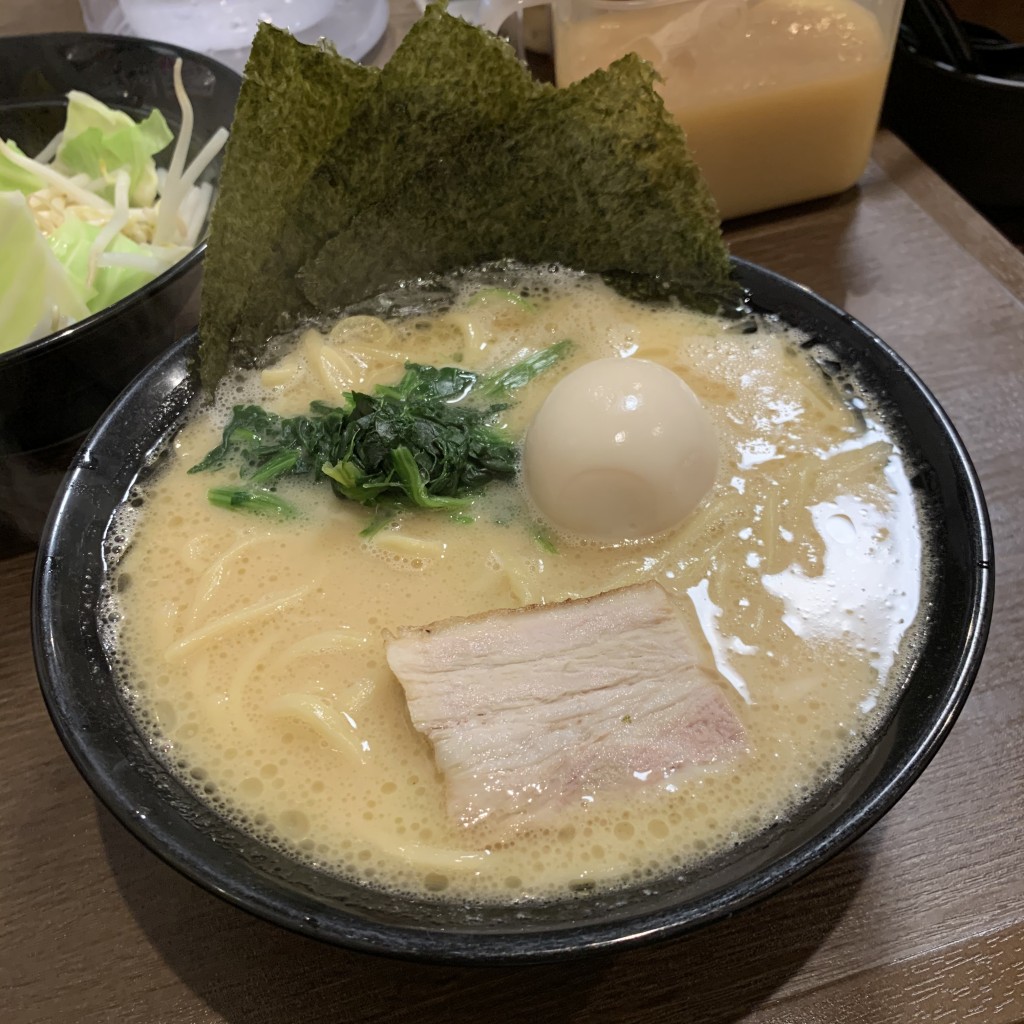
point(351, 179)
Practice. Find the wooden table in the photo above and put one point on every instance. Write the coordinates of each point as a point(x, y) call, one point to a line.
point(921, 920)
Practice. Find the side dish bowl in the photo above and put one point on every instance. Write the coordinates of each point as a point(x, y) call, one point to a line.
point(54, 389)
point(100, 734)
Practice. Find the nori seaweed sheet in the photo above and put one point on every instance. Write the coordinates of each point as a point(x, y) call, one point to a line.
point(341, 180)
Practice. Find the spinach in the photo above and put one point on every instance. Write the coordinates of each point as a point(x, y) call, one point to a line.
point(427, 441)
point(259, 502)
point(522, 373)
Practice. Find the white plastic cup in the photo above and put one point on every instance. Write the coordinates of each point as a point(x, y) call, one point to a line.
point(210, 25)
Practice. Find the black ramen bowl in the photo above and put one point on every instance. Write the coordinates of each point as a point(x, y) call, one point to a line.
point(54, 389)
point(103, 740)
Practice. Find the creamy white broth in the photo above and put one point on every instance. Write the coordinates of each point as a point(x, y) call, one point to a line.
point(254, 650)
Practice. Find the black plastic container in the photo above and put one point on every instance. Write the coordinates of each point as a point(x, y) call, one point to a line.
point(104, 742)
point(53, 390)
point(967, 125)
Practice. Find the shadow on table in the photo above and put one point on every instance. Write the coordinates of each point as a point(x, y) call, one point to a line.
point(247, 970)
point(818, 243)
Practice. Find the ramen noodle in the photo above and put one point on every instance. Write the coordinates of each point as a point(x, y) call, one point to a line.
point(252, 651)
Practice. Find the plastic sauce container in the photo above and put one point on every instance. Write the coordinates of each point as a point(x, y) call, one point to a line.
point(779, 99)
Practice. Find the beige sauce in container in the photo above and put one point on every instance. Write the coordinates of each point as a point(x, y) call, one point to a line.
point(779, 98)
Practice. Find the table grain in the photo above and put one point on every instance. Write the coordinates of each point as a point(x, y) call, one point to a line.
point(920, 920)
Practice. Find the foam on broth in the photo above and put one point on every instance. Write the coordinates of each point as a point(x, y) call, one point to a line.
point(252, 651)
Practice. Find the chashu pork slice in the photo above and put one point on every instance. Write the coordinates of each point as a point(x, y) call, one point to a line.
point(535, 709)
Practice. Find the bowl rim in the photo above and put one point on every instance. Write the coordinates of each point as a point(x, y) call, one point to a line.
point(299, 913)
point(52, 342)
point(944, 68)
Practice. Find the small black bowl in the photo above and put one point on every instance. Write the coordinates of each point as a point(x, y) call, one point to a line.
point(104, 742)
point(968, 126)
point(53, 390)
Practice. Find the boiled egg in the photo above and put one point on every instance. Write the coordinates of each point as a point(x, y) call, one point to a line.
point(621, 449)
